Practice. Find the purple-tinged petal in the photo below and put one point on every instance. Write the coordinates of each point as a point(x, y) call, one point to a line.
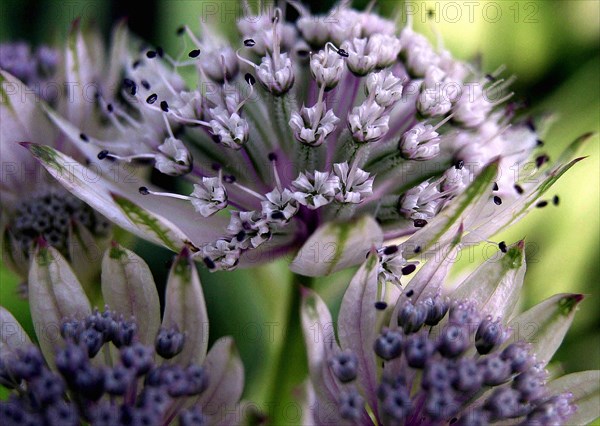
point(357, 324)
point(12, 335)
point(22, 120)
point(185, 309)
point(510, 213)
point(226, 379)
point(54, 295)
point(128, 288)
point(430, 278)
point(462, 212)
point(96, 191)
point(496, 285)
point(85, 253)
point(546, 324)
point(81, 74)
point(319, 338)
point(585, 388)
point(335, 246)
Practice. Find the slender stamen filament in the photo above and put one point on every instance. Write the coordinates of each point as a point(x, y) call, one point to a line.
point(244, 60)
point(275, 172)
point(441, 123)
point(241, 104)
point(146, 191)
point(168, 125)
point(249, 191)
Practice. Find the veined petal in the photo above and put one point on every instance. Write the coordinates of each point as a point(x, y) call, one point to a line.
point(85, 253)
point(98, 193)
point(460, 212)
point(357, 321)
point(226, 381)
point(319, 338)
point(431, 276)
point(80, 72)
point(335, 246)
point(55, 294)
point(516, 210)
point(585, 388)
point(22, 120)
point(546, 324)
point(496, 284)
point(186, 310)
point(129, 289)
point(118, 54)
point(12, 335)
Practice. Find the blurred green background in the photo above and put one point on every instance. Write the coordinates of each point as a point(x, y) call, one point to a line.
point(553, 49)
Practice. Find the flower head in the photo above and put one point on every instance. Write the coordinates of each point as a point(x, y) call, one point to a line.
point(352, 118)
point(34, 206)
point(119, 365)
point(432, 358)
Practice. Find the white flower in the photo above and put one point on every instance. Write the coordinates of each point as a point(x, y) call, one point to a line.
point(231, 130)
point(386, 88)
point(355, 184)
point(276, 73)
point(280, 206)
point(420, 143)
point(327, 67)
point(368, 122)
point(312, 125)
point(361, 59)
point(315, 190)
point(174, 158)
point(209, 197)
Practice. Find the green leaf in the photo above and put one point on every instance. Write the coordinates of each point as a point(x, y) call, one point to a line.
point(546, 324)
point(495, 285)
point(585, 387)
point(55, 294)
point(128, 288)
point(336, 246)
point(185, 309)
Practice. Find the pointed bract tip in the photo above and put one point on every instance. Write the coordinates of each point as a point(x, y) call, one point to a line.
point(586, 135)
point(305, 292)
point(521, 244)
point(570, 302)
point(41, 242)
point(26, 144)
point(75, 24)
point(184, 253)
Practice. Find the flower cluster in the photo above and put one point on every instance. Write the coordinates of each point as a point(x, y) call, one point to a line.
point(109, 394)
point(428, 358)
point(352, 117)
point(50, 216)
point(121, 365)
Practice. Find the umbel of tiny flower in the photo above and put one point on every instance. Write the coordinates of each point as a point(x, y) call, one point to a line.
point(324, 130)
point(33, 204)
point(122, 365)
point(432, 358)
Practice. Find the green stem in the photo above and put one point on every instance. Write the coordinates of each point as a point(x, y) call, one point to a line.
point(290, 366)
